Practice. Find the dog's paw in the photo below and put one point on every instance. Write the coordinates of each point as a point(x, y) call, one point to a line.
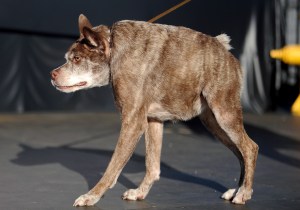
point(242, 196)
point(229, 194)
point(86, 200)
point(133, 195)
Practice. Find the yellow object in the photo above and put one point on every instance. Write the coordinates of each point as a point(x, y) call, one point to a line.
point(296, 107)
point(289, 54)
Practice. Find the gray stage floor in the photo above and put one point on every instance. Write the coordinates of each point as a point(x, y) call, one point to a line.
point(47, 160)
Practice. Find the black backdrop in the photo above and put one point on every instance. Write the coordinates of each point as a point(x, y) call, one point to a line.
point(35, 35)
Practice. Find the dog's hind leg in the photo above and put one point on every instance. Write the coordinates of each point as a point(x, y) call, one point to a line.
point(153, 142)
point(224, 119)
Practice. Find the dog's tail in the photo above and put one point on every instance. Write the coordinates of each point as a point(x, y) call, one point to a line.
point(224, 39)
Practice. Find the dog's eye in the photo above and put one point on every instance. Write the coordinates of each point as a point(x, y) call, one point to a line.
point(76, 58)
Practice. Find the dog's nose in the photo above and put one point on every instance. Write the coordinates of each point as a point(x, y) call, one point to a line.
point(54, 74)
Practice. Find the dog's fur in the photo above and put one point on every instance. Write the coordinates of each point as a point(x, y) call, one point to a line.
point(158, 73)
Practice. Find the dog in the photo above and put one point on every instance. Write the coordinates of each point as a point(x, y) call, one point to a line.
point(159, 73)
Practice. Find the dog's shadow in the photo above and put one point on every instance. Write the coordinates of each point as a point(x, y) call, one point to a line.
point(91, 164)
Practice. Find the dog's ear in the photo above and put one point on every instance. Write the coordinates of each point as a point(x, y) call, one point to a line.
point(104, 47)
point(83, 22)
point(90, 36)
point(85, 29)
point(96, 40)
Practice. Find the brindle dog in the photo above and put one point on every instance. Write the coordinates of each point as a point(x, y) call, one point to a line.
point(158, 73)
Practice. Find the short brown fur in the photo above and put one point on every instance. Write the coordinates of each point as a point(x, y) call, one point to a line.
point(158, 73)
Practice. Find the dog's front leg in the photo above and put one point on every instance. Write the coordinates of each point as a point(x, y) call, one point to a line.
point(133, 126)
point(153, 142)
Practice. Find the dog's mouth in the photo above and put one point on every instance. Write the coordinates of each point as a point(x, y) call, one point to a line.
point(65, 87)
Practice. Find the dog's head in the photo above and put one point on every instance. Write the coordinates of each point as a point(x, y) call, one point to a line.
point(87, 60)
